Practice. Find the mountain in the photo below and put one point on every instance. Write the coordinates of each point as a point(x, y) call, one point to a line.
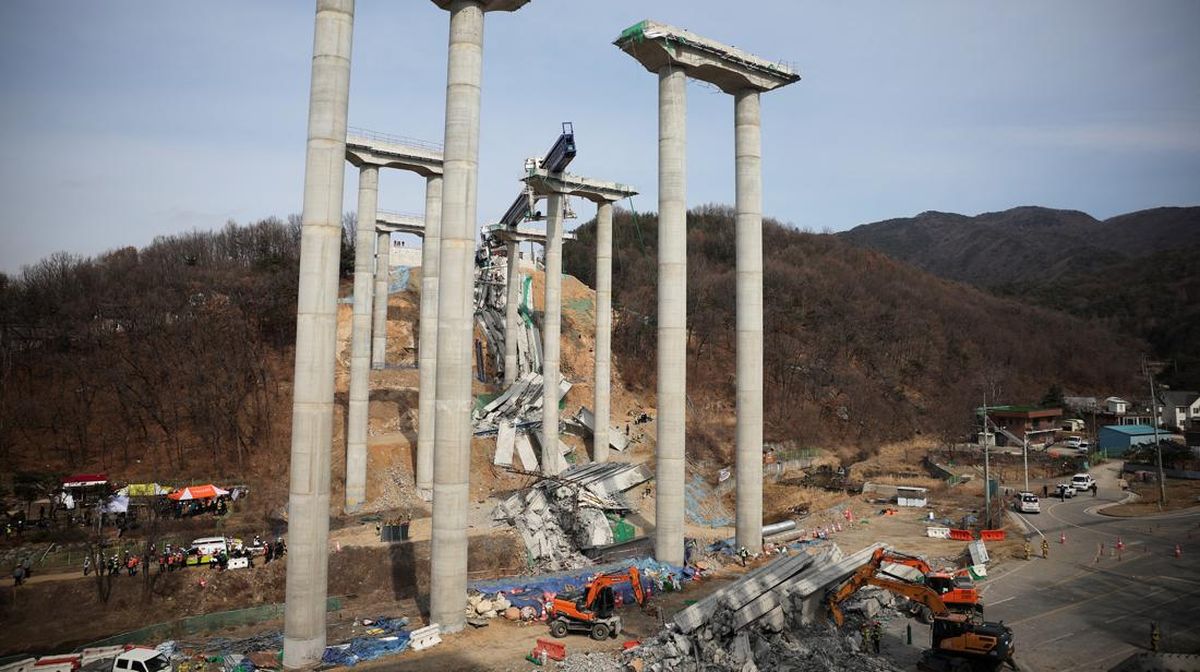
point(859, 348)
point(1025, 244)
point(1138, 272)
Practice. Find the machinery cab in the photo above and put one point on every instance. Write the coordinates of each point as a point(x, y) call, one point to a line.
point(968, 636)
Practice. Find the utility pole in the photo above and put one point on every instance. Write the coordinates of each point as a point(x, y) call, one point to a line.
point(987, 479)
point(1025, 457)
point(1162, 481)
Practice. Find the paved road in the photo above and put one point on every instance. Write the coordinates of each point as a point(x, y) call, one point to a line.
point(1076, 612)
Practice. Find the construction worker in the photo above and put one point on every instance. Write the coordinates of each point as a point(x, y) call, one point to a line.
point(876, 634)
point(1045, 549)
point(744, 555)
point(1155, 636)
point(1028, 550)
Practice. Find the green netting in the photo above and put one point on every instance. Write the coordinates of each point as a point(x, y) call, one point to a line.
point(194, 625)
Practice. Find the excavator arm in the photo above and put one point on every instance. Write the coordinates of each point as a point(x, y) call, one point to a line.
point(870, 575)
point(631, 575)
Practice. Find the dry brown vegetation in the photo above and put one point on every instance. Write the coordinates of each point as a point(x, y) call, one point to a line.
point(859, 349)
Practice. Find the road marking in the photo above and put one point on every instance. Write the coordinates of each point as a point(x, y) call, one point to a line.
point(1051, 641)
point(1002, 601)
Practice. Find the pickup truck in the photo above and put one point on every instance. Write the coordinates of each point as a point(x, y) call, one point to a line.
point(141, 660)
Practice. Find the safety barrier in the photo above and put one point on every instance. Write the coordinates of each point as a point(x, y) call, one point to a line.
point(961, 535)
point(60, 663)
point(991, 535)
point(554, 650)
point(423, 638)
point(937, 532)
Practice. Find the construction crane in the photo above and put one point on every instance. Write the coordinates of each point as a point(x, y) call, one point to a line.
point(959, 642)
point(592, 609)
point(561, 153)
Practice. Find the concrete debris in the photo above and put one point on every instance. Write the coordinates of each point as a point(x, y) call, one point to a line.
point(557, 518)
point(490, 298)
point(519, 404)
point(616, 439)
point(773, 618)
point(591, 662)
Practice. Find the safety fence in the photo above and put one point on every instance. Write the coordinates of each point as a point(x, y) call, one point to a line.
point(203, 623)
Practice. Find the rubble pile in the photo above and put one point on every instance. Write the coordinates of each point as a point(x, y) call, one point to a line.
point(754, 649)
point(553, 525)
point(490, 299)
point(773, 618)
point(557, 518)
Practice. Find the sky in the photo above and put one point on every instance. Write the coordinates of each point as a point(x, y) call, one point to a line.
point(128, 119)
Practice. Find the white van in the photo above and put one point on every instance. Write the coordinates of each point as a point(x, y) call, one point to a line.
point(208, 546)
point(141, 660)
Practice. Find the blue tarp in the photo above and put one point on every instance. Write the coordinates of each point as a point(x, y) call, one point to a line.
point(523, 591)
point(392, 640)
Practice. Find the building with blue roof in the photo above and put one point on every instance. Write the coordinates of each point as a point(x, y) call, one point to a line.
point(1115, 440)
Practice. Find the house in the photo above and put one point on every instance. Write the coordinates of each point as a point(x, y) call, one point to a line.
point(1178, 408)
point(1116, 405)
point(1073, 425)
point(1115, 440)
point(1038, 425)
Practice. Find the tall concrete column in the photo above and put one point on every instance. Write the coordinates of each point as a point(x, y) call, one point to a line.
point(452, 457)
point(431, 245)
point(603, 368)
point(360, 340)
point(551, 331)
point(748, 159)
point(383, 265)
point(672, 314)
point(316, 336)
point(512, 299)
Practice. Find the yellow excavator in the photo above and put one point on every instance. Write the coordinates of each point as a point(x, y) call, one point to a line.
point(960, 642)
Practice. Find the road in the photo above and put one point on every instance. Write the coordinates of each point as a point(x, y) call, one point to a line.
point(1083, 610)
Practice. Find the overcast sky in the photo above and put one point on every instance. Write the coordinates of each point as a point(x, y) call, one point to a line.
point(125, 119)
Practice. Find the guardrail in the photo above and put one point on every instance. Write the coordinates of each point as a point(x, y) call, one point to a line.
point(369, 135)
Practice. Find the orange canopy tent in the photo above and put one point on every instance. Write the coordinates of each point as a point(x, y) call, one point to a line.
point(197, 492)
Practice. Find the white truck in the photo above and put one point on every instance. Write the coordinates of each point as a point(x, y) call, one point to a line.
point(141, 660)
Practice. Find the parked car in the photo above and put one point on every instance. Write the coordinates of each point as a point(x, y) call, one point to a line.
point(1082, 482)
point(1074, 442)
point(1027, 502)
point(1064, 490)
point(141, 660)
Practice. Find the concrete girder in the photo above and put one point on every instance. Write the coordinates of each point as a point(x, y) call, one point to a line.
point(596, 191)
point(488, 5)
point(422, 160)
point(658, 45)
point(399, 222)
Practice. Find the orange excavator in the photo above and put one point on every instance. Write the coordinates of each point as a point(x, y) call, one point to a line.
point(954, 587)
point(592, 610)
point(961, 641)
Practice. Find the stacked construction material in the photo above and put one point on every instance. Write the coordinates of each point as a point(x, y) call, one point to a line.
point(771, 618)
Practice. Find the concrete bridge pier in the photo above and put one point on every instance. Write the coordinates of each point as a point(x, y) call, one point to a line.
point(431, 246)
point(552, 459)
point(452, 424)
point(360, 340)
point(316, 337)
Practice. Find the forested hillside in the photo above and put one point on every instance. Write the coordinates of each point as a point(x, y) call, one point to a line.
point(1136, 272)
point(174, 354)
point(858, 347)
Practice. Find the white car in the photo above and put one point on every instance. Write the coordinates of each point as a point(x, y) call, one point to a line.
point(1082, 482)
point(1064, 491)
point(1027, 502)
point(141, 660)
point(1074, 442)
